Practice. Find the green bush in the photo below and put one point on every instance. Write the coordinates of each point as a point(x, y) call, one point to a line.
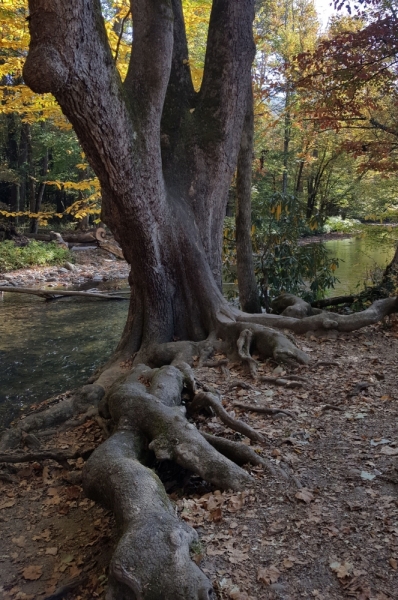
point(35, 253)
point(281, 262)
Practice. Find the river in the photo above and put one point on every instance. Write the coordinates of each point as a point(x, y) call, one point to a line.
point(49, 347)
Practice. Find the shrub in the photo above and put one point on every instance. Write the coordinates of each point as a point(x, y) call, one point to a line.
point(281, 262)
point(35, 253)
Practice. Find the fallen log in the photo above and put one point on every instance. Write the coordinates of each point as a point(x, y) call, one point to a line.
point(78, 238)
point(56, 294)
point(333, 301)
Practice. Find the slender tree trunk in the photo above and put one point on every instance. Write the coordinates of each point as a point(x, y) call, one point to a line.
point(286, 141)
point(247, 284)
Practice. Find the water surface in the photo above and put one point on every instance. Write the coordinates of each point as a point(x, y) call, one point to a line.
point(360, 258)
point(49, 347)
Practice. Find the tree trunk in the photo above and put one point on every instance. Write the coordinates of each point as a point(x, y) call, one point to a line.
point(247, 284)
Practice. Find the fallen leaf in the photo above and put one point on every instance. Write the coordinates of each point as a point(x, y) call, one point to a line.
point(7, 504)
point(393, 562)
point(216, 515)
point(341, 569)
point(305, 495)
point(287, 563)
point(268, 575)
point(52, 551)
point(74, 571)
point(73, 492)
point(32, 572)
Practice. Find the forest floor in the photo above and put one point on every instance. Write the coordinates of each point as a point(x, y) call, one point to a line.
point(336, 537)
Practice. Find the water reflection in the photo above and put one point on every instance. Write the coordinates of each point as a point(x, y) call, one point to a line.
point(358, 258)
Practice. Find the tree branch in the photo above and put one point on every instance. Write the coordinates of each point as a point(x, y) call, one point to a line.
point(180, 96)
point(150, 63)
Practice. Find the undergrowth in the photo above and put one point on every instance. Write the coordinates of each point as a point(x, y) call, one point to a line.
point(35, 253)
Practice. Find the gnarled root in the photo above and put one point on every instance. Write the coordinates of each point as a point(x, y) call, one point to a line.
point(203, 399)
point(152, 560)
point(242, 338)
point(300, 319)
point(88, 396)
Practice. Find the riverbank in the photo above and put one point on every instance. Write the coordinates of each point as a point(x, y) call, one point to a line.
point(334, 538)
point(325, 237)
point(89, 265)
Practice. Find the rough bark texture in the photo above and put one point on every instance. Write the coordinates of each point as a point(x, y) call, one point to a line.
point(248, 293)
point(164, 156)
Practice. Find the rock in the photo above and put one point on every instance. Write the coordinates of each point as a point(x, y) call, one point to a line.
point(51, 279)
point(97, 278)
point(62, 270)
point(69, 266)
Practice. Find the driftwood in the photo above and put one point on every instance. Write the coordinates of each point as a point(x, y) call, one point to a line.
point(108, 245)
point(56, 294)
point(73, 238)
point(53, 454)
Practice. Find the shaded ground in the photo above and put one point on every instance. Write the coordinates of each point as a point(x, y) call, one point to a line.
point(336, 537)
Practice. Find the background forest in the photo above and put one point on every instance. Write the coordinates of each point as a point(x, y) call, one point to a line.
point(325, 106)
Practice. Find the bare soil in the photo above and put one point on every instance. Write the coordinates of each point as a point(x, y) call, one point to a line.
point(334, 537)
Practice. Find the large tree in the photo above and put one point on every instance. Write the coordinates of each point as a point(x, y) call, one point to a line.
point(165, 156)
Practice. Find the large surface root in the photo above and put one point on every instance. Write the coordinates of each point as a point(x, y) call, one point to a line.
point(294, 316)
point(243, 338)
point(88, 397)
point(152, 558)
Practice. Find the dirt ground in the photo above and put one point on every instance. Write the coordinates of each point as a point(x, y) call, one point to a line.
point(329, 533)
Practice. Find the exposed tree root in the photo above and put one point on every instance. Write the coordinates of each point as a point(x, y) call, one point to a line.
point(321, 320)
point(222, 363)
point(241, 338)
point(241, 384)
point(289, 381)
point(67, 587)
point(203, 400)
point(152, 557)
point(332, 407)
point(88, 396)
point(243, 344)
point(242, 454)
point(265, 410)
point(57, 455)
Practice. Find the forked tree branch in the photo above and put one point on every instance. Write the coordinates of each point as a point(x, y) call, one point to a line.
point(229, 55)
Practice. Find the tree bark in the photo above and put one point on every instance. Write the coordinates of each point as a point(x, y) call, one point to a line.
point(247, 284)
